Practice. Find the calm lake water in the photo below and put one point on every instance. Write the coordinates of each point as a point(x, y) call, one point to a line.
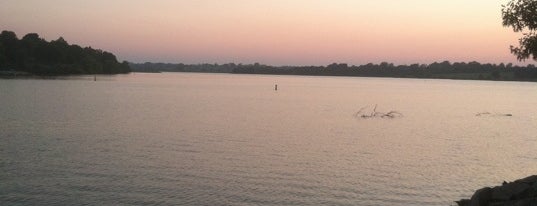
point(223, 139)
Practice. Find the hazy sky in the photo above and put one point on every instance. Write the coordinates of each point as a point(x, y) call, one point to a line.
point(278, 32)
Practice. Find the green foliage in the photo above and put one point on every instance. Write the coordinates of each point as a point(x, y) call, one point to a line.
point(37, 56)
point(521, 15)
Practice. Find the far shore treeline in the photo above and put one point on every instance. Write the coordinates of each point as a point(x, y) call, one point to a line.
point(33, 55)
point(442, 70)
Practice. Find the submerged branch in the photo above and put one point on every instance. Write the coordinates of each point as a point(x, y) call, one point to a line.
point(488, 114)
point(375, 114)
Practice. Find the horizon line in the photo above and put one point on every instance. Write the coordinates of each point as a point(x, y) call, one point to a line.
point(340, 63)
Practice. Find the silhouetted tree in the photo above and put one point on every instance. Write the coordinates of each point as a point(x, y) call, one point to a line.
point(3, 58)
point(35, 55)
point(522, 16)
point(9, 42)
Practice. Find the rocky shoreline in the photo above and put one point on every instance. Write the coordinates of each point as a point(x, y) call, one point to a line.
point(522, 192)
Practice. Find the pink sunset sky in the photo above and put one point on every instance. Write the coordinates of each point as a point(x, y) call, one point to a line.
point(276, 32)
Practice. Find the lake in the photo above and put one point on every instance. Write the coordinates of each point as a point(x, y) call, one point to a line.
point(225, 139)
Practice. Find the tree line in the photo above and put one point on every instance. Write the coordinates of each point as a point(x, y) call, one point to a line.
point(441, 70)
point(35, 55)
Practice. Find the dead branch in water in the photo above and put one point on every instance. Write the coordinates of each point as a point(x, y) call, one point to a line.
point(375, 114)
point(482, 114)
point(357, 114)
point(488, 114)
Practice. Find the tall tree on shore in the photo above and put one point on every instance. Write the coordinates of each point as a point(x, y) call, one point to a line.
point(521, 15)
point(35, 55)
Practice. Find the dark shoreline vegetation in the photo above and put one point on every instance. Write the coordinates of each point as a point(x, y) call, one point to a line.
point(34, 56)
point(442, 70)
point(522, 192)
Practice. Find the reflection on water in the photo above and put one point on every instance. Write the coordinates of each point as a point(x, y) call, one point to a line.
point(222, 139)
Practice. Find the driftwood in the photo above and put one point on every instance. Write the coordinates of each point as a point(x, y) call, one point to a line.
point(362, 113)
point(488, 114)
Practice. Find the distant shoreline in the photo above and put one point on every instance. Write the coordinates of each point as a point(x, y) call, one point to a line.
point(24, 75)
point(442, 70)
point(313, 75)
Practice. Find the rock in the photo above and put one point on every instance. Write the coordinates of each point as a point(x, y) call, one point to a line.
point(509, 191)
point(528, 180)
point(463, 202)
point(481, 197)
point(521, 192)
point(524, 202)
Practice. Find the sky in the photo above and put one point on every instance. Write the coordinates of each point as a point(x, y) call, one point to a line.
point(275, 32)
